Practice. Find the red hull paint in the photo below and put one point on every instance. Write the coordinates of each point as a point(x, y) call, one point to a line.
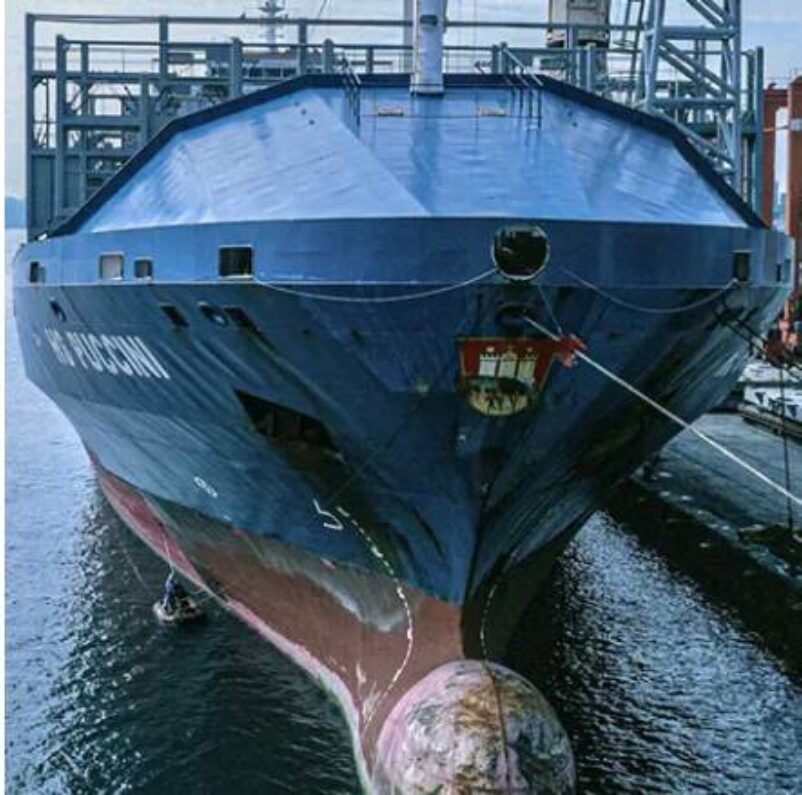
point(135, 511)
point(367, 668)
point(423, 717)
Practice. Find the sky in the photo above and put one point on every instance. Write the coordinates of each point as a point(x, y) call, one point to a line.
point(775, 24)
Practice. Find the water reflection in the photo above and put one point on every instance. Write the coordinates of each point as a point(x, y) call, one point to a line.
point(658, 689)
point(99, 698)
point(129, 705)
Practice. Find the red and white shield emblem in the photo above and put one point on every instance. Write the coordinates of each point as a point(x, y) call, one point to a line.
point(502, 376)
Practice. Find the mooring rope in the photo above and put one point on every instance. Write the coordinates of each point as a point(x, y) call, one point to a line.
point(133, 565)
point(726, 452)
point(387, 299)
point(549, 308)
point(650, 310)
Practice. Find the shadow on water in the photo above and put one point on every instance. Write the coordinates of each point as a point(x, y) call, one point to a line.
point(659, 689)
point(740, 578)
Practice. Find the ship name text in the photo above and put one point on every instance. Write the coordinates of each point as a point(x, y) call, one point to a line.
point(114, 354)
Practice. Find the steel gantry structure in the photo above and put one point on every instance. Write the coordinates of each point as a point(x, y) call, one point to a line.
point(102, 86)
point(692, 72)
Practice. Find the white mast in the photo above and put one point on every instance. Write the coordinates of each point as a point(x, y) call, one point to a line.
point(272, 10)
point(429, 29)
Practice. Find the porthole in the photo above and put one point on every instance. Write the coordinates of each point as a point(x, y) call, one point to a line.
point(520, 251)
point(740, 265)
point(235, 261)
point(784, 269)
point(110, 267)
point(143, 269)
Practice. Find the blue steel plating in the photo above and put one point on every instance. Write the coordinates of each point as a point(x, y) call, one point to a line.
point(406, 201)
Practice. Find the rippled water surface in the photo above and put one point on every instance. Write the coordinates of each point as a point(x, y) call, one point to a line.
point(660, 690)
point(99, 698)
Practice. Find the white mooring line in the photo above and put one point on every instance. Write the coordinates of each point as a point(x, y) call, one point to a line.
point(673, 417)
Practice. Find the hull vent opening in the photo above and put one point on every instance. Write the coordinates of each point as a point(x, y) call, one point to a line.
point(213, 314)
point(36, 273)
point(284, 425)
point(174, 316)
point(56, 309)
point(240, 318)
point(741, 265)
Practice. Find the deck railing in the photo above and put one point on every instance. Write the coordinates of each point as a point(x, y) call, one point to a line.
point(94, 99)
point(353, 88)
point(527, 85)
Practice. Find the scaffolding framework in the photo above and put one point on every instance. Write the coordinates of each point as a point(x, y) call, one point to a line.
point(92, 102)
point(692, 73)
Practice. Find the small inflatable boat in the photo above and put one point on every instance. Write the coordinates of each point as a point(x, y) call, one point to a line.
point(188, 612)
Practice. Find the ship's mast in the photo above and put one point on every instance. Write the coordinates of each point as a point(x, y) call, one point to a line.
point(567, 20)
point(272, 9)
point(567, 16)
point(692, 61)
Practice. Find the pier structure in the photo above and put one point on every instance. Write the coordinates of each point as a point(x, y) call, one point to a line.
point(99, 87)
point(775, 99)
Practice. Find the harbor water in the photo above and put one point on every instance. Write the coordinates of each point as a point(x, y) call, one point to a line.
point(660, 688)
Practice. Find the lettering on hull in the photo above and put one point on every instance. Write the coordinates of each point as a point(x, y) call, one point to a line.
point(114, 354)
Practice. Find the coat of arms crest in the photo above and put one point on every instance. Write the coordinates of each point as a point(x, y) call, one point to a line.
point(502, 376)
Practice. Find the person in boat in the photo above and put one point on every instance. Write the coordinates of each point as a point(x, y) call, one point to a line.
point(175, 596)
point(168, 597)
point(181, 597)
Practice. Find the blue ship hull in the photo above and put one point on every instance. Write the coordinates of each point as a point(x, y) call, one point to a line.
point(309, 426)
point(451, 493)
